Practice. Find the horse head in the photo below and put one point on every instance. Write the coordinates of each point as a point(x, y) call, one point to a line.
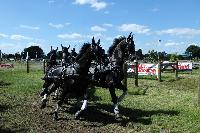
point(52, 54)
point(98, 51)
point(130, 47)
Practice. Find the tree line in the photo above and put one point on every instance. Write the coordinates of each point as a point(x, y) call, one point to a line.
point(191, 53)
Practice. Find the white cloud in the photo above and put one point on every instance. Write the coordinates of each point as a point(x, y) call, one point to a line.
point(6, 45)
point(3, 35)
point(135, 28)
point(57, 26)
point(189, 32)
point(171, 43)
point(155, 9)
point(33, 44)
point(193, 43)
point(72, 36)
point(11, 48)
point(19, 37)
point(98, 28)
point(29, 27)
point(108, 25)
point(51, 1)
point(98, 5)
point(67, 23)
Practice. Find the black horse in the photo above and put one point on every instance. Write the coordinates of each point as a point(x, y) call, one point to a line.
point(77, 81)
point(73, 55)
point(65, 55)
point(52, 58)
point(112, 73)
point(52, 78)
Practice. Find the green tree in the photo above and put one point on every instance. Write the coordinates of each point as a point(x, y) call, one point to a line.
point(173, 57)
point(139, 54)
point(17, 56)
point(33, 52)
point(194, 50)
point(152, 56)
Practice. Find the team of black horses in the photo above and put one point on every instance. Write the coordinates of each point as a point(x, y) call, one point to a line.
point(90, 67)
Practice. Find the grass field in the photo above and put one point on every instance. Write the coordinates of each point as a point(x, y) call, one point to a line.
point(168, 106)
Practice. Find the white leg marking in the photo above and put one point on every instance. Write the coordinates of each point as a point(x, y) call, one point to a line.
point(84, 105)
point(44, 98)
point(56, 92)
point(116, 109)
point(57, 107)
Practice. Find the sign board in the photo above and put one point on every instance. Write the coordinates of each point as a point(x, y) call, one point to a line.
point(7, 65)
point(144, 69)
point(185, 66)
point(152, 69)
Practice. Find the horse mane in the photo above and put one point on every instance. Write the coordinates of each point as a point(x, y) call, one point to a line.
point(116, 41)
point(132, 47)
point(82, 50)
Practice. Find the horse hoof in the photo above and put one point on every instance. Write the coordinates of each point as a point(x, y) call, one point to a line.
point(55, 116)
point(118, 116)
point(43, 104)
point(77, 114)
point(42, 93)
point(55, 98)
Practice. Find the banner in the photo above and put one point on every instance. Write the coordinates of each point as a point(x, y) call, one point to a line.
point(152, 69)
point(7, 65)
point(144, 69)
point(185, 66)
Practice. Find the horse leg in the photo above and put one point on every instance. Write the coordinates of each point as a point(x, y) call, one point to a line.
point(124, 88)
point(54, 88)
point(58, 105)
point(44, 88)
point(45, 93)
point(114, 100)
point(84, 105)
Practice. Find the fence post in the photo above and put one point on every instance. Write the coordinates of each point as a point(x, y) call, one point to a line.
point(125, 74)
point(198, 97)
point(176, 70)
point(199, 90)
point(0, 57)
point(136, 72)
point(159, 71)
point(27, 66)
point(44, 67)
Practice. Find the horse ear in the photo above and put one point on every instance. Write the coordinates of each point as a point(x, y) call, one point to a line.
point(130, 35)
point(93, 41)
point(98, 42)
point(56, 48)
point(61, 45)
point(68, 47)
point(51, 48)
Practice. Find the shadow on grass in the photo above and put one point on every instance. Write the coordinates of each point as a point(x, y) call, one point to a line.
point(2, 83)
point(102, 114)
point(4, 108)
point(144, 77)
point(6, 130)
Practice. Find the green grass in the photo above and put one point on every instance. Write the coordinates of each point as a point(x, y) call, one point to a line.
point(167, 106)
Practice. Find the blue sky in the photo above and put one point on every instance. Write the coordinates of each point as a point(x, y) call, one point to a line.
point(44, 23)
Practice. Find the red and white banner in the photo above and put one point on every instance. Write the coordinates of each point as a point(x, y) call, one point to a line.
point(152, 69)
point(7, 65)
point(185, 66)
point(144, 69)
